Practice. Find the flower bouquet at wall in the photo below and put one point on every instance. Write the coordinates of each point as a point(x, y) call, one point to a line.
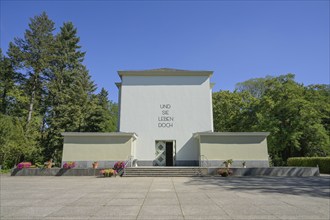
point(108, 172)
point(95, 164)
point(227, 163)
point(22, 165)
point(69, 165)
point(225, 172)
point(119, 167)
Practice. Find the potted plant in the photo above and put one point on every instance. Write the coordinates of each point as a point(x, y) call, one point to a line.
point(49, 164)
point(95, 164)
point(22, 165)
point(119, 167)
point(227, 163)
point(69, 165)
point(244, 164)
point(225, 172)
point(108, 172)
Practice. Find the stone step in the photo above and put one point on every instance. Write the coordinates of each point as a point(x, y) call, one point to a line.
point(144, 170)
point(159, 175)
point(164, 171)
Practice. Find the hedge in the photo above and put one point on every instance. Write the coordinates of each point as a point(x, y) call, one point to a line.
point(322, 162)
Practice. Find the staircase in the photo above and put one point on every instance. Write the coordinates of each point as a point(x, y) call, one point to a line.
point(164, 171)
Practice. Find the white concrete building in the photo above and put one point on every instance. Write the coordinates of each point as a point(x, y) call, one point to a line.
point(166, 120)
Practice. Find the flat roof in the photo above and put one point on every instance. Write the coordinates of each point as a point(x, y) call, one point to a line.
point(232, 134)
point(99, 134)
point(165, 72)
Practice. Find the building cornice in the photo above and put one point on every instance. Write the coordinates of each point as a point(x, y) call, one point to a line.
point(118, 84)
point(165, 72)
point(230, 134)
point(99, 134)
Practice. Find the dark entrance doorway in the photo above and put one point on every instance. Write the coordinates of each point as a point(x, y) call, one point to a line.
point(165, 154)
point(169, 153)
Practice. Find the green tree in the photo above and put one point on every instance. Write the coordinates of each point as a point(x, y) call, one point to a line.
point(232, 111)
point(69, 88)
point(256, 87)
point(103, 114)
point(296, 116)
point(319, 96)
point(7, 82)
point(46, 90)
point(15, 145)
point(34, 54)
point(293, 120)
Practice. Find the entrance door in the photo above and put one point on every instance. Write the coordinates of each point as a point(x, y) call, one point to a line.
point(169, 154)
point(165, 153)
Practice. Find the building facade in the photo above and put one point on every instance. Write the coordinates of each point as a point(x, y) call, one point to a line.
point(165, 119)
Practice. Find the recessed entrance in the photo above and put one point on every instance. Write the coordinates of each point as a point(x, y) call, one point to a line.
point(165, 153)
point(169, 154)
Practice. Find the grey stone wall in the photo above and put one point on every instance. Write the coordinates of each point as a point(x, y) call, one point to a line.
point(88, 164)
point(238, 163)
point(270, 171)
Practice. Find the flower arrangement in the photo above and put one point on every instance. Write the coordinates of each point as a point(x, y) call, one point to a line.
point(119, 167)
point(108, 172)
point(22, 165)
point(95, 164)
point(69, 165)
point(49, 163)
point(225, 172)
point(227, 163)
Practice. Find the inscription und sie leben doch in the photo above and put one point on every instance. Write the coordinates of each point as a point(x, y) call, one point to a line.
point(166, 120)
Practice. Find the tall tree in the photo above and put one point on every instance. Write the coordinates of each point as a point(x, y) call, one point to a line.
point(103, 114)
point(69, 89)
point(294, 122)
point(256, 87)
point(7, 82)
point(46, 90)
point(296, 116)
point(232, 111)
point(34, 53)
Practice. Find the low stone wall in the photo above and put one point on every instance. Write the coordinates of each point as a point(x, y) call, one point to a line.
point(238, 163)
point(270, 171)
point(87, 164)
point(257, 171)
point(55, 172)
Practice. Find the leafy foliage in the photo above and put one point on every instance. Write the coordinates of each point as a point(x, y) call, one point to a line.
point(15, 144)
point(322, 162)
point(45, 90)
point(296, 116)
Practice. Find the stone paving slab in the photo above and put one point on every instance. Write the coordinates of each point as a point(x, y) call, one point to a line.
point(46, 197)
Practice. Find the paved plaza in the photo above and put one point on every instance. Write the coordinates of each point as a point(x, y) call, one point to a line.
point(40, 197)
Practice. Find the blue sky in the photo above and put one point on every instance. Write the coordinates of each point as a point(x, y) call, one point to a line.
point(238, 40)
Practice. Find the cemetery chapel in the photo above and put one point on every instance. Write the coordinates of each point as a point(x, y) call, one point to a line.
point(165, 119)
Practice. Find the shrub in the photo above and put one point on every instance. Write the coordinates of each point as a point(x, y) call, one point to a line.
point(322, 162)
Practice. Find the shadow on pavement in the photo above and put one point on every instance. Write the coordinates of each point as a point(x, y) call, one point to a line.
point(310, 186)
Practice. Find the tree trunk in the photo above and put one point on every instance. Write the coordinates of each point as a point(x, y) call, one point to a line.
point(31, 106)
point(33, 96)
point(4, 102)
